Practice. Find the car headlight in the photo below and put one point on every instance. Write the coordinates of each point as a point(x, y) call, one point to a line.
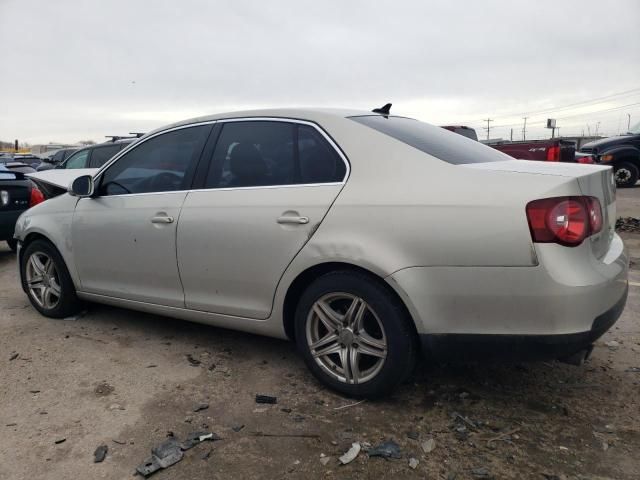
point(4, 198)
point(606, 158)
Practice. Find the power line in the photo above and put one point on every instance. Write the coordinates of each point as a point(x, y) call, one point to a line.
point(564, 107)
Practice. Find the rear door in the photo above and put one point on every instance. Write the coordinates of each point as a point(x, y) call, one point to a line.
point(268, 187)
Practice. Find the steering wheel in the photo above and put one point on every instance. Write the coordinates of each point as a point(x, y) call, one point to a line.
point(163, 180)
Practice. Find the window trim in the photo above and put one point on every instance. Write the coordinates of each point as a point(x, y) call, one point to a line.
point(98, 176)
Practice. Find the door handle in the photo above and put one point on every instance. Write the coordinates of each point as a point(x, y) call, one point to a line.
point(286, 219)
point(162, 219)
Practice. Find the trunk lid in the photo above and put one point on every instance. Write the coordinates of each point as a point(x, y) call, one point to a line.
point(593, 180)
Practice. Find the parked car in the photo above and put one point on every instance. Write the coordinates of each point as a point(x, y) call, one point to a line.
point(96, 155)
point(29, 159)
point(551, 150)
point(56, 158)
point(621, 152)
point(17, 193)
point(342, 231)
point(18, 166)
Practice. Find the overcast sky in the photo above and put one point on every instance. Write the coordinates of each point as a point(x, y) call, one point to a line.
point(74, 70)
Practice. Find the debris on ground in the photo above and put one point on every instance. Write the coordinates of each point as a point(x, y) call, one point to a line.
point(413, 435)
point(613, 345)
point(481, 472)
point(207, 454)
point(428, 445)
point(237, 428)
point(413, 463)
point(171, 451)
point(103, 389)
point(266, 399)
point(324, 459)
point(628, 224)
point(201, 407)
point(164, 455)
point(100, 453)
point(195, 438)
point(194, 362)
point(633, 369)
point(351, 454)
point(60, 440)
point(13, 356)
point(348, 405)
point(388, 449)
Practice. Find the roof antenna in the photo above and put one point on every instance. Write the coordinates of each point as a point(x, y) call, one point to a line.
point(383, 110)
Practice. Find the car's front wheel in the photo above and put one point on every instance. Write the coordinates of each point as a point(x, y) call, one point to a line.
point(626, 174)
point(354, 334)
point(47, 281)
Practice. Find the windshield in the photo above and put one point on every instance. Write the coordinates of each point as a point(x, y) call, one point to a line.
point(635, 129)
point(438, 142)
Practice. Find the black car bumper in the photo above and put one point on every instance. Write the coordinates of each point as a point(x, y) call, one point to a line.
point(474, 347)
point(8, 223)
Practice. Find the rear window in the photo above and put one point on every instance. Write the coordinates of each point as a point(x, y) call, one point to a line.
point(436, 141)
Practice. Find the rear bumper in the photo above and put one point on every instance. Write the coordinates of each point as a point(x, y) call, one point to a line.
point(463, 348)
point(8, 223)
point(556, 308)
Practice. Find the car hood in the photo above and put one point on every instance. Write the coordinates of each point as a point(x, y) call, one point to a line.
point(61, 178)
point(608, 142)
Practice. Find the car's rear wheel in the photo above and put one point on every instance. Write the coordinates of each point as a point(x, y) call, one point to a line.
point(13, 244)
point(354, 334)
point(47, 281)
point(626, 174)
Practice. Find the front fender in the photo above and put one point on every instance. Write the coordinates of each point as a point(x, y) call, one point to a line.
point(621, 151)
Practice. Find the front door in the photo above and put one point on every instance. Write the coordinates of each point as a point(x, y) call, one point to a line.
point(124, 236)
point(269, 185)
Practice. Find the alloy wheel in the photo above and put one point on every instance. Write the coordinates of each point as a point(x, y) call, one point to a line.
point(622, 175)
point(43, 281)
point(346, 338)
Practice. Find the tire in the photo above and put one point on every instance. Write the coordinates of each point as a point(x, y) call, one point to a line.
point(626, 174)
point(61, 300)
point(379, 339)
point(13, 244)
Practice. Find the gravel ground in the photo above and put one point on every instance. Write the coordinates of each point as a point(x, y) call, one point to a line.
point(128, 380)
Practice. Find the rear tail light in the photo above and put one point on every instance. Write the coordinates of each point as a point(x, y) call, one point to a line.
point(35, 196)
point(588, 159)
point(553, 154)
point(564, 220)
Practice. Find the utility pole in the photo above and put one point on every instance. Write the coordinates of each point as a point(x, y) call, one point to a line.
point(511, 136)
point(589, 129)
point(524, 129)
point(597, 125)
point(558, 128)
point(628, 122)
point(488, 129)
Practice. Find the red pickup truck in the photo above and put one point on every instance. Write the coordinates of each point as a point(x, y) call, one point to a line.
point(552, 150)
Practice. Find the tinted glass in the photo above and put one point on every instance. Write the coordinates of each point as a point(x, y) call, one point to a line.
point(435, 141)
point(265, 153)
point(157, 165)
point(100, 155)
point(319, 162)
point(78, 160)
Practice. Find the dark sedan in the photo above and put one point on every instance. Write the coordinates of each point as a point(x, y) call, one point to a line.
point(17, 193)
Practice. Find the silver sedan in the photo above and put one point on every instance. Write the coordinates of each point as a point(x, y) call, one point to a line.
point(365, 237)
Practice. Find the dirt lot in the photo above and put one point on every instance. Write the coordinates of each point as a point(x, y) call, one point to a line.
point(123, 379)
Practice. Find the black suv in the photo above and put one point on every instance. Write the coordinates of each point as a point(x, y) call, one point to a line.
point(93, 156)
point(621, 152)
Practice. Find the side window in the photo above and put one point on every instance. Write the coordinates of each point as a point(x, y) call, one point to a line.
point(319, 162)
point(79, 160)
point(268, 153)
point(250, 154)
point(160, 164)
point(100, 155)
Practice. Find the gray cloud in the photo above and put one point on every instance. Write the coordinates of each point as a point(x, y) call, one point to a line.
point(83, 69)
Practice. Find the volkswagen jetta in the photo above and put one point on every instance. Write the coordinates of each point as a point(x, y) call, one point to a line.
point(365, 237)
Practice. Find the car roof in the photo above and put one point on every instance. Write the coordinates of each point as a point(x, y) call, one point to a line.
point(310, 114)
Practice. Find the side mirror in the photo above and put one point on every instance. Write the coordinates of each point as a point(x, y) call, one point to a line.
point(82, 186)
